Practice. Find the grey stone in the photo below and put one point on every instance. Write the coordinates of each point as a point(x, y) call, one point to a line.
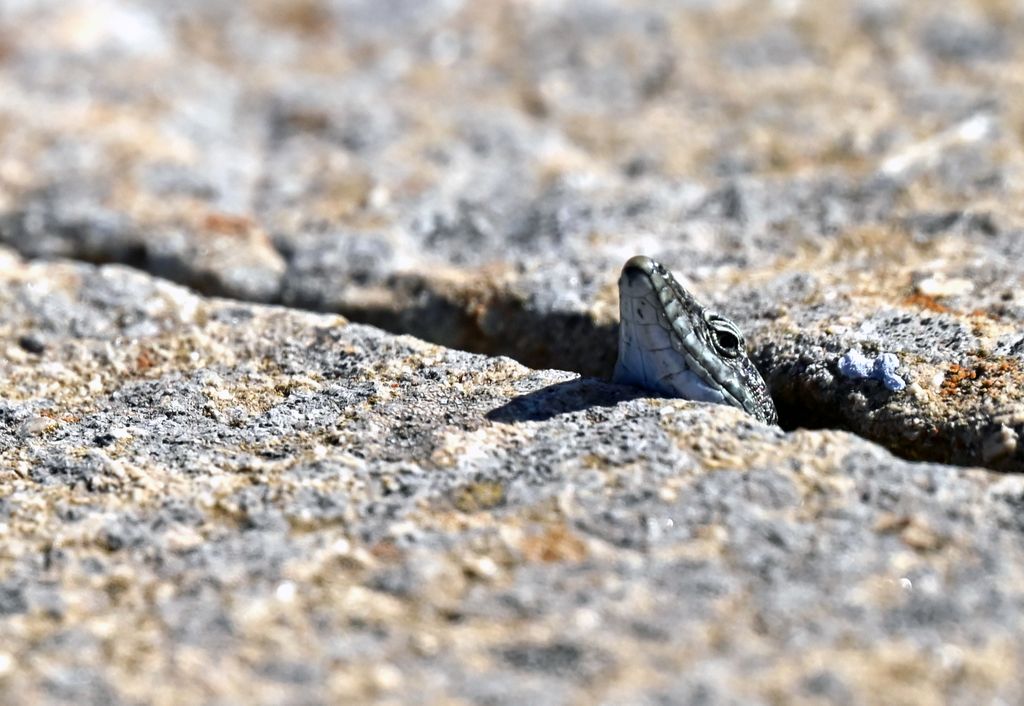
point(327, 511)
point(234, 503)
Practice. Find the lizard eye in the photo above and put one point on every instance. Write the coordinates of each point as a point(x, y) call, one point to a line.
point(726, 336)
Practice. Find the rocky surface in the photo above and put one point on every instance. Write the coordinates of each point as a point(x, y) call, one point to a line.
point(205, 501)
point(475, 173)
point(215, 500)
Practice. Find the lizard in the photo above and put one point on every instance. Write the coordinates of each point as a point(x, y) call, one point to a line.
point(672, 345)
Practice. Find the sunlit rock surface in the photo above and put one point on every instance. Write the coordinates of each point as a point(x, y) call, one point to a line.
point(205, 501)
point(211, 500)
point(475, 173)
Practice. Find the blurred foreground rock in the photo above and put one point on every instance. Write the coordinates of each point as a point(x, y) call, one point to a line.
point(204, 501)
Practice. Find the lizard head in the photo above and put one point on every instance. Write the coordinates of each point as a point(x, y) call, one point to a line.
point(670, 344)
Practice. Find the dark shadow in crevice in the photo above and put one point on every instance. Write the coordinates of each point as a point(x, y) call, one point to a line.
point(793, 416)
point(36, 234)
point(563, 398)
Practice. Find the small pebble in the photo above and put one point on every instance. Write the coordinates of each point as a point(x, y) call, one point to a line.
point(857, 366)
point(32, 343)
point(939, 286)
point(885, 370)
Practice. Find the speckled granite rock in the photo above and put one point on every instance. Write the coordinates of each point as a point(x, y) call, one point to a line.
point(207, 501)
point(475, 173)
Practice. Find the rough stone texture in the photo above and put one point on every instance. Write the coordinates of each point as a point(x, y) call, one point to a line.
point(475, 173)
point(206, 501)
point(214, 501)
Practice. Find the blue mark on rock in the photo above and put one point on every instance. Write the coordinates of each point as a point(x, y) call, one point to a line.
point(855, 365)
point(883, 368)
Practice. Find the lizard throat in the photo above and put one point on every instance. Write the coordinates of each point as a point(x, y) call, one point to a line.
point(651, 354)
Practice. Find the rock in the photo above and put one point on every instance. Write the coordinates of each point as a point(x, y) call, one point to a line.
point(232, 502)
point(475, 175)
point(328, 512)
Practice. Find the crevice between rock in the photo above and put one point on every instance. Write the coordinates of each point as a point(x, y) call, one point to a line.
point(483, 317)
